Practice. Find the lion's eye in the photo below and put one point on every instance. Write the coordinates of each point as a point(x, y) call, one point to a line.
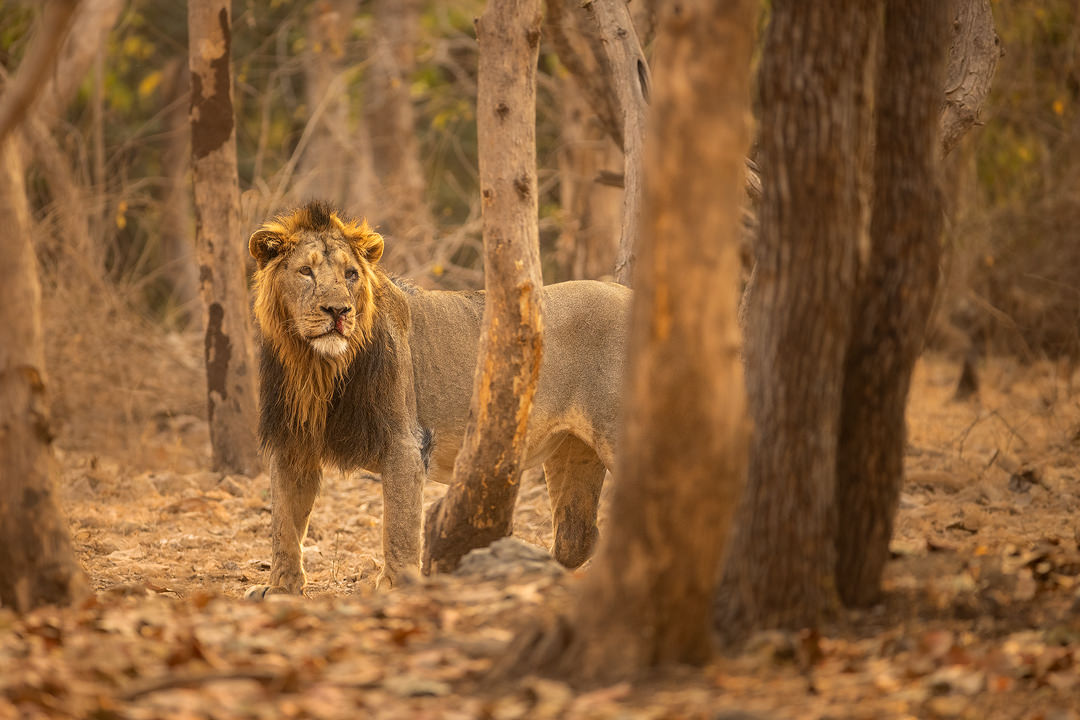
point(352, 275)
point(306, 270)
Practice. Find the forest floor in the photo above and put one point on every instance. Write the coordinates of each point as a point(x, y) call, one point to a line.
point(981, 617)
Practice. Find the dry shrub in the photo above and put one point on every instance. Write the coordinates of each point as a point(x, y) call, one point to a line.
point(120, 383)
point(1029, 282)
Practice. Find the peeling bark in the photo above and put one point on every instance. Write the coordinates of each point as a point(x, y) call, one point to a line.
point(230, 375)
point(478, 508)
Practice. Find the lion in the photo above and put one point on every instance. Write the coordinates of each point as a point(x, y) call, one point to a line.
point(363, 370)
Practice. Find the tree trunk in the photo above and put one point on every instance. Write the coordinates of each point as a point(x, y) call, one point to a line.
point(619, 93)
point(478, 508)
point(896, 290)
point(230, 371)
point(177, 239)
point(647, 598)
point(628, 71)
point(591, 210)
point(392, 125)
point(37, 561)
point(327, 167)
point(40, 58)
point(814, 107)
point(973, 55)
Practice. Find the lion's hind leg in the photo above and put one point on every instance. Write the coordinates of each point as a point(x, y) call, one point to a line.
point(574, 476)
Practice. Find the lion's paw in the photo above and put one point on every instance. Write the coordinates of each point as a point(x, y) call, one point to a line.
point(261, 592)
point(390, 581)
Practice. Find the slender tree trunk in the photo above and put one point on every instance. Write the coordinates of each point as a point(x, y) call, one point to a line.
point(230, 371)
point(21, 91)
point(614, 75)
point(177, 232)
point(591, 210)
point(648, 596)
point(973, 53)
point(392, 124)
point(894, 296)
point(37, 561)
point(629, 72)
point(814, 79)
point(478, 508)
point(327, 167)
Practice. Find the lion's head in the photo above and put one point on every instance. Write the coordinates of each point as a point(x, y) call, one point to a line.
point(315, 297)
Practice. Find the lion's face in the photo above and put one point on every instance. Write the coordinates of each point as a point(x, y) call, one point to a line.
point(316, 280)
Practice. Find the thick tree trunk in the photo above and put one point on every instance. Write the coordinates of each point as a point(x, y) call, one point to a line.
point(230, 371)
point(648, 596)
point(814, 81)
point(37, 562)
point(478, 508)
point(392, 124)
point(896, 290)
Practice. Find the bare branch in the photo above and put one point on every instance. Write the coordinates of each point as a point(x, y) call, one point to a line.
point(40, 57)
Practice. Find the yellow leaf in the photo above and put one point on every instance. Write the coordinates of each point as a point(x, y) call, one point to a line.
point(149, 84)
point(437, 269)
point(1059, 107)
point(121, 214)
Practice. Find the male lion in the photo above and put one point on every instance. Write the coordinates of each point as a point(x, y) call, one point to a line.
point(362, 370)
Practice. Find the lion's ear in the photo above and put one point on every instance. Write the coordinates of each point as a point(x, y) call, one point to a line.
point(367, 243)
point(371, 247)
point(265, 245)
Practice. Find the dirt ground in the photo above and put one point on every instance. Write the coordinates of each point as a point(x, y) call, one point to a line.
point(981, 620)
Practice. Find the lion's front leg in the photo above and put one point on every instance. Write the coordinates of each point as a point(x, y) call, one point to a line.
point(403, 500)
point(294, 484)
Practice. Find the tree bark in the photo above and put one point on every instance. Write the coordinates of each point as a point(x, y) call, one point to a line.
point(814, 106)
point(628, 70)
point(37, 561)
point(973, 55)
point(392, 124)
point(895, 293)
point(619, 93)
point(647, 598)
point(478, 508)
point(230, 371)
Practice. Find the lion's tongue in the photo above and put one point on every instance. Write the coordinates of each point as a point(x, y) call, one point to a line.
point(339, 324)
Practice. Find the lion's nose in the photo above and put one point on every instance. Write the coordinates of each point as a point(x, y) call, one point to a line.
point(335, 311)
